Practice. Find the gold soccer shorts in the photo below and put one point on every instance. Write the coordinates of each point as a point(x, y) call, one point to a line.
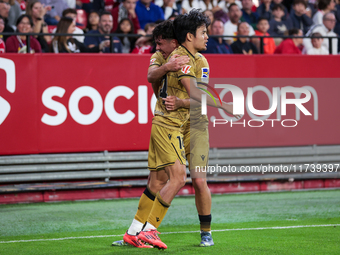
point(166, 146)
point(196, 144)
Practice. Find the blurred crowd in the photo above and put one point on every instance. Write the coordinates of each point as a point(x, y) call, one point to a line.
point(92, 22)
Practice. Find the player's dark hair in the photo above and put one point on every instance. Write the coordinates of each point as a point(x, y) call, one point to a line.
point(188, 23)
point(164, 30)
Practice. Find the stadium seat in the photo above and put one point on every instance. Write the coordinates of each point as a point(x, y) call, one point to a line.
point(81, 18)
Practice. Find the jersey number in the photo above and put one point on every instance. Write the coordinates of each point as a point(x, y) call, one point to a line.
point(180, 141)
point(163, 93)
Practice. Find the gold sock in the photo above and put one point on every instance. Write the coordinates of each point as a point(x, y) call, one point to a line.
point(158, 211)
point(145, 204)
point(205, 222)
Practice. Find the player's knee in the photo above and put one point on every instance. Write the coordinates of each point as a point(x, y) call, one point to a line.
point(179, 180)
point(200, 184)
point(156, 186)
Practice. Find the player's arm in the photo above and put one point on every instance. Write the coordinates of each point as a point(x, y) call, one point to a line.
point(191, 86)
point(172, 103)
point(175, 63)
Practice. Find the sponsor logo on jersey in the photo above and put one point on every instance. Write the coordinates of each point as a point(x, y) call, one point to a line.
point(205, 72)
point(152, 60)
point(186, 69)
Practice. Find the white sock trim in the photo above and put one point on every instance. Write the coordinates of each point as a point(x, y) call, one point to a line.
point(135, 227)
point(148, 227)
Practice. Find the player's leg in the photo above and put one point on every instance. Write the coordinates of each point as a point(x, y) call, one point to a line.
point(196, 142)
point(203, 205)
point(170, 156)
point(156, 180)
point(177, 177)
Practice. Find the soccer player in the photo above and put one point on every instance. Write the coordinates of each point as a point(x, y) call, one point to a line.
point(166, 126)
point(165, 42)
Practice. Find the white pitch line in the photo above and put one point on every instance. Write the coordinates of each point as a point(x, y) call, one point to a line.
point(167, 233)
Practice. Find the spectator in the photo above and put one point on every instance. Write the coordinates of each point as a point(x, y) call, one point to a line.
point(269, 44)
point(230, 27)
point(148, 12)
point(284, 8)
point(4, 10)
point(14, 12)
point(37, 12)
point(2, 43)
point(188, 5)
point(92, 21)
point(126, 10)
point(67, 44)
point(318, 48)
point(324, 6)
point(310, 10)
point(325, 29)
point(265, 9)
point(278, 26)
point(104, 28)
point(247, 14)
point(72, 13)
point(126, 27)
point(242, 45)
point(299, 19)
point(210, 15)
point(290, 45)
point(52, 17)
point(217, 45)
point(91, 5)
point(17, 43)
point(220, 13)
point(168, 8)
point(144, 44)
point(224, 4)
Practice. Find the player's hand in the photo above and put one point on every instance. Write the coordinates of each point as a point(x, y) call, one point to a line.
point(176, 62)
point(172, 103)
point(229, 108)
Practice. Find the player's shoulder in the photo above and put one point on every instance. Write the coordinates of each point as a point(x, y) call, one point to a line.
point(201, 61)
point(157, 59)
point(182, 51)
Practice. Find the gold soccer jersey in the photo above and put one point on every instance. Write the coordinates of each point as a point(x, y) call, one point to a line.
point(202, 79)
point(157, 59)
point(172, 86)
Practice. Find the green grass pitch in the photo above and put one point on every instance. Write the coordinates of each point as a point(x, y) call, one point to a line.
point(304, 222)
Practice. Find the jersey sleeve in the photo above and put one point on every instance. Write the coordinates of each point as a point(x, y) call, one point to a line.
point(187, 71)
point(156, 59)
point(202, 71)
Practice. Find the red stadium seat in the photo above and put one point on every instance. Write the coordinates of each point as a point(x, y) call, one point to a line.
point(81, 18)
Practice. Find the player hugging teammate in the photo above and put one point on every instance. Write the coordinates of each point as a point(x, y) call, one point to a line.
point(179, 131)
